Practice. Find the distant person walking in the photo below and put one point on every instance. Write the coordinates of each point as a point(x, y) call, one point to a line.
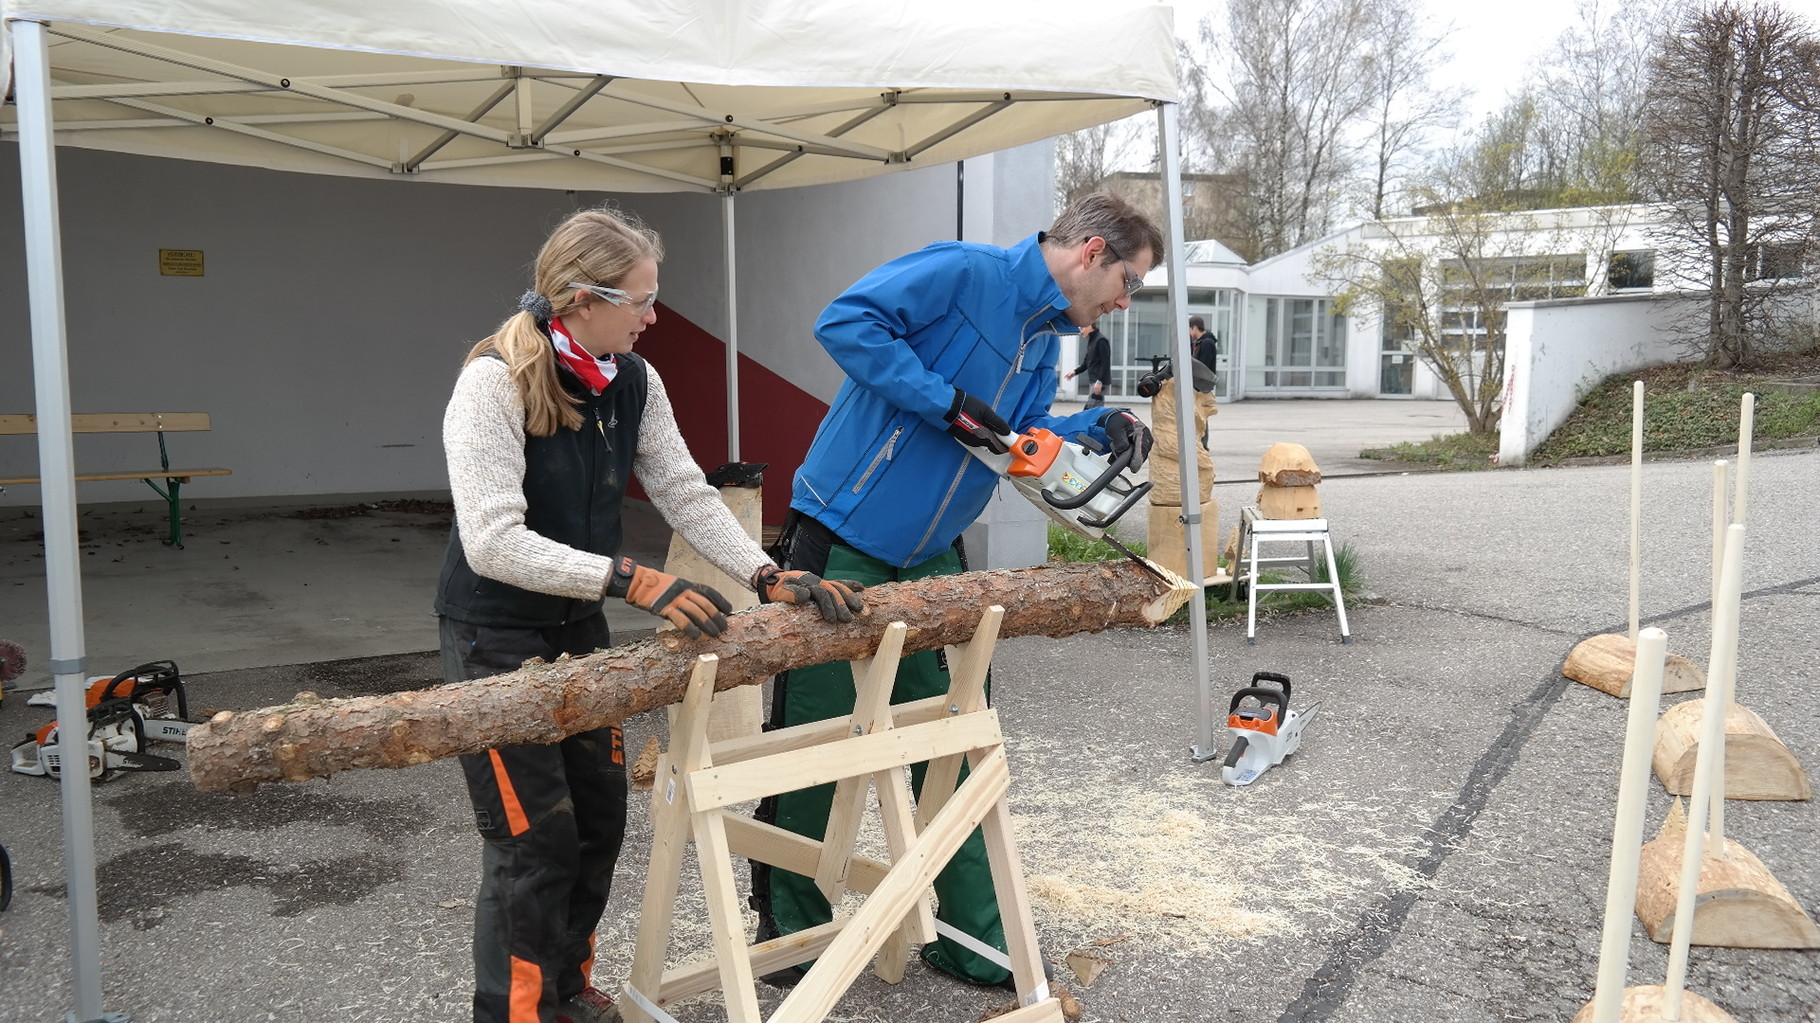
point(1206, 346)
point(1096, 362)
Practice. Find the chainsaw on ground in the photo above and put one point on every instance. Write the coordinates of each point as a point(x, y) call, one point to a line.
point(1076, 483)
point(138, 706)
point(1264, 730)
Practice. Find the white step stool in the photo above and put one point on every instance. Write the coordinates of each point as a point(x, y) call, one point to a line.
point(1254, 532)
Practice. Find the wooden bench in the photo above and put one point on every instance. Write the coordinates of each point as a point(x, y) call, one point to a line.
point(159, 423)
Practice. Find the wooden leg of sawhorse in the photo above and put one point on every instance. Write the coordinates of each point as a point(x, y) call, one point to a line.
point(672, 822)
point(873, 679)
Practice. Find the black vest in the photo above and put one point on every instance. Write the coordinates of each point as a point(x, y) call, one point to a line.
point(574, 486)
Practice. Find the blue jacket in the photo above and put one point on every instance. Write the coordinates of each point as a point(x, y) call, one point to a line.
point(883, 472)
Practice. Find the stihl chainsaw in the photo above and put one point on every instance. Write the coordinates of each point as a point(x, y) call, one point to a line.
point(1264, 731)
point(137, 706)
point(1076, 482)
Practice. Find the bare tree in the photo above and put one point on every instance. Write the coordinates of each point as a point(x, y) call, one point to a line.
point(1294, 87)
point(1732, 148)
point(1592, 86)
point(1440, 283)
point(1405, 107)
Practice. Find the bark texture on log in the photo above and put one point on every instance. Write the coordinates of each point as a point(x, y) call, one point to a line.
point(314, 738)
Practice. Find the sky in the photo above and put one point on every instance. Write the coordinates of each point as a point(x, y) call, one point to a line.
point(1491, 44)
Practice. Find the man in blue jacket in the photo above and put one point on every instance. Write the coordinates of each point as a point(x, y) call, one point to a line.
point(956, 342)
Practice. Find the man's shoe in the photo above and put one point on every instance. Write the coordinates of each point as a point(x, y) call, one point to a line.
point(1010, 981)
point(591, 1005)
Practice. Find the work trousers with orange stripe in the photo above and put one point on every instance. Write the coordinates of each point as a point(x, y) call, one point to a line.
point(552, 817)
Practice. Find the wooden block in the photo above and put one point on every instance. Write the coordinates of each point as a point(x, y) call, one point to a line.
point(1607, 661)
point(1740, 904)
point(1289, 503)
point(1166, 541)
point(1288, 465)
point(1645, 1004)
point(1757, 764)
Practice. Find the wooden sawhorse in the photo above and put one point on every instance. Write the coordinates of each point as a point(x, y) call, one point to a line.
point(871, 749)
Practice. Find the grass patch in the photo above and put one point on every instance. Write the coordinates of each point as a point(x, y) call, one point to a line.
point(1446, 451)
point(1684, 407)
point(1069, 546)
point(1066, 546)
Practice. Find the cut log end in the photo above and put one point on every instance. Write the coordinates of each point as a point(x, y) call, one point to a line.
point(1740, 904)
point(1757, 764)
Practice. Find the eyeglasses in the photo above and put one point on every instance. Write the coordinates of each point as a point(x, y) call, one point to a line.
point(1133, 281)
point(618, 297)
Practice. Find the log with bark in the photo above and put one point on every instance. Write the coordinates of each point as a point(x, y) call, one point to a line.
point(544, 702)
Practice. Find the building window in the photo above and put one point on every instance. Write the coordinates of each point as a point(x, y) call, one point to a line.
point(1304, 346)
point(1473, 295)
point(1769, 261)
point(1631, 270)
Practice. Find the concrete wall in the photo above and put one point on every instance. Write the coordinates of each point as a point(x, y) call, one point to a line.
point(334, 312)
point(1555, 350)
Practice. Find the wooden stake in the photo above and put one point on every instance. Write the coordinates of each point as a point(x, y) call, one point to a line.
point(1747, 420)
point(1636, 504)
point(1712, 732)
point(1720, 518)
point(1627, 828)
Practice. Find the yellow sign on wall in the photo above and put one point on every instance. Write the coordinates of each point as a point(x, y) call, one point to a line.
point(180, 262)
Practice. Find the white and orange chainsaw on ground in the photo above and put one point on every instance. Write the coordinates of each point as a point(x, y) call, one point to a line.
point(1264, 730)
point(126, 712)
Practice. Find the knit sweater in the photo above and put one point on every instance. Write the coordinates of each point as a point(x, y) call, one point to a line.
point(483, 436)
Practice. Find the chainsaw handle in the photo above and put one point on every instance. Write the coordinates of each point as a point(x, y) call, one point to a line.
point(1101, 482)
point(1264, 695)
point(164, 677)
point(1137, 494)
point(1271, 676)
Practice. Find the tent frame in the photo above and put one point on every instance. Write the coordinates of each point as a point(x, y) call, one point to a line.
point(534, 139)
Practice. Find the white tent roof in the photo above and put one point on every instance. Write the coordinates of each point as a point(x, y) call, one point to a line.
point(605, 97)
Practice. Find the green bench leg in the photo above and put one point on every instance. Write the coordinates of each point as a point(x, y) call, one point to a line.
point(172, 498)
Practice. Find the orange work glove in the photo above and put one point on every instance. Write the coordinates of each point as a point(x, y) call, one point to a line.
point(837, 599)
point(691, 607)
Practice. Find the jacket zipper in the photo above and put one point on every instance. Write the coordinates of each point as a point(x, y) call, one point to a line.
point(884, 454)
point(1017, 363)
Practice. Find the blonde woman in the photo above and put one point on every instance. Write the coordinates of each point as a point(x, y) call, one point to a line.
point(550, 418)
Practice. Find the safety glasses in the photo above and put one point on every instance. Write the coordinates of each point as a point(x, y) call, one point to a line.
point(1133, 280)
point(618, 297)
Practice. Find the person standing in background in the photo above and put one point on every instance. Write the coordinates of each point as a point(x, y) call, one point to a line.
point(1096, 362)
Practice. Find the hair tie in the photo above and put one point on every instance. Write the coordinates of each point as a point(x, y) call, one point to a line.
point(538, 306)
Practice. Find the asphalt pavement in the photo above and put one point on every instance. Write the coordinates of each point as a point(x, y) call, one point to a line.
point(1437, 850)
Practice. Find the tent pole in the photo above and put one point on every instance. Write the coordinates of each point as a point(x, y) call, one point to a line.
point(56, 467)
point(731, 264)
point(1186, 442)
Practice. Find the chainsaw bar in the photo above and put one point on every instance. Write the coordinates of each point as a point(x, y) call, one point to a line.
point(1145, 565)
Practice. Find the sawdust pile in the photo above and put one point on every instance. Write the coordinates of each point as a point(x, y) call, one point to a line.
point(1185, 862)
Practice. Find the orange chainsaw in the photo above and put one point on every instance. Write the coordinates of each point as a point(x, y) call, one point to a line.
point(1076, 482)
point(1264, 730)
point(125, 712)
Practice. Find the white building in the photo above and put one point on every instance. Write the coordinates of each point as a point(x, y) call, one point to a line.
point(1281, 334)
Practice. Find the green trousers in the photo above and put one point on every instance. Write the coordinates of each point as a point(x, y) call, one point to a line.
point(963, 890)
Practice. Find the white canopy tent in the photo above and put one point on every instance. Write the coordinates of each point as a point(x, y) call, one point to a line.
point(715, 96)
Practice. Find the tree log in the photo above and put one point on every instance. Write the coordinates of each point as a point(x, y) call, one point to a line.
point(1607, 661)
point(545, 702)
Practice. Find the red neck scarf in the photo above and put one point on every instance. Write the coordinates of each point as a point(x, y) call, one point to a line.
point(596, 373)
